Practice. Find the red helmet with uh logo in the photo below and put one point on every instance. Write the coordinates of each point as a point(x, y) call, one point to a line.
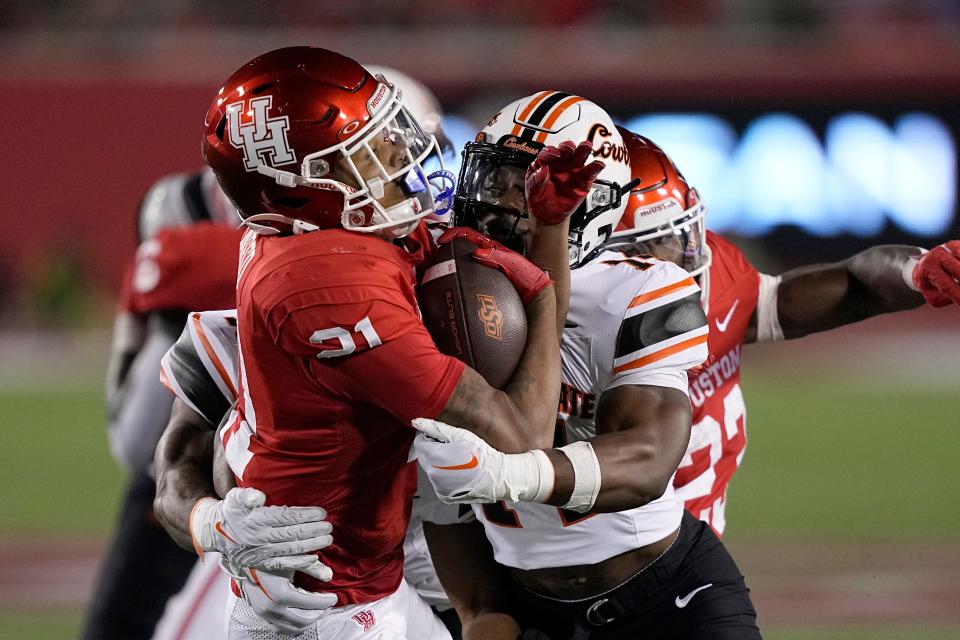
point(308, 138)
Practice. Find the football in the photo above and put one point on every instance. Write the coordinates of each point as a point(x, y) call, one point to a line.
point(473, 312)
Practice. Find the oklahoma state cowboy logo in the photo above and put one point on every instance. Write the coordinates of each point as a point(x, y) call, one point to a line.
point(491, 316)
point(262, 138)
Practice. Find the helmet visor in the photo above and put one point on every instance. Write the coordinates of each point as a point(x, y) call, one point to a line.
point(491, 196)
point(486, 180)
point(683, 244)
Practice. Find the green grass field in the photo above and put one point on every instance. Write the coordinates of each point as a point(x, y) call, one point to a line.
point(824, 460)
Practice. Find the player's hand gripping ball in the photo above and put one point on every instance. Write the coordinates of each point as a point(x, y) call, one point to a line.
point(472, 296)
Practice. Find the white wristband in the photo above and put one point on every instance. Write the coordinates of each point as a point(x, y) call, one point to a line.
point(528, 477)
point(768, 316)
point(200, 529)
point(907, 270)
point(586, 476)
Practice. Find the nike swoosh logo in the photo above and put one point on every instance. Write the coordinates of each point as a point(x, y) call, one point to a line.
point(459, 467)
point(722, 326)
point(682, 602)
point(219, 527)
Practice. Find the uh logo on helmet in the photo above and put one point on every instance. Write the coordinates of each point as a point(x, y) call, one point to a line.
point(306, 138)
point(494, 167)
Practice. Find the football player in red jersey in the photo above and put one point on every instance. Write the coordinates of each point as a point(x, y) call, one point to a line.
point(324, 162)
point(188, 249)
point(665, 218)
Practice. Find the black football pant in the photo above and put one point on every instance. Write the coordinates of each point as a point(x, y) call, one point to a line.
point(669, 600)
point(142, 569)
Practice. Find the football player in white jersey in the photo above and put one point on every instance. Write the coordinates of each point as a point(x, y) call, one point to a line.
point(620, 559)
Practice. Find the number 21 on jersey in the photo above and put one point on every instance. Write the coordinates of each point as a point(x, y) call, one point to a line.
point(347, 340)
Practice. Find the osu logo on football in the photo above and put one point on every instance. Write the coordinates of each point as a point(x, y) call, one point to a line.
point(491, 316)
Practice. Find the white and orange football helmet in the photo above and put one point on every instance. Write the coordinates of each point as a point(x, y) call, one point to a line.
point(490, 193)
point(663, 210)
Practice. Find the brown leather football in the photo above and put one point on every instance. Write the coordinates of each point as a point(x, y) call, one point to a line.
point(473, 312)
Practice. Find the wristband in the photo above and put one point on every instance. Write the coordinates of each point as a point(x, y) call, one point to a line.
point(908, 267)
point(528, 477)
point(199, 527)
point(586, 476)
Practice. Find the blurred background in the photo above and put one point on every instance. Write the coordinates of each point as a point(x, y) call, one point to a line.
point(812, 128)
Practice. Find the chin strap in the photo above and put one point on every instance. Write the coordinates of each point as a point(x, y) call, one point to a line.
point(282, 178)
point(297, 226)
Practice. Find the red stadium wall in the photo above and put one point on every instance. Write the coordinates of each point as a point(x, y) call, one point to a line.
point(79, 157)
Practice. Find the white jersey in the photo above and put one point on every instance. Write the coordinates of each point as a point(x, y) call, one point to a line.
point(201, 367)
point(614, 336)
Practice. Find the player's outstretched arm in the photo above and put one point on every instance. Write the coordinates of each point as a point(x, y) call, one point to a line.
point(474, 582)
point(878, 280)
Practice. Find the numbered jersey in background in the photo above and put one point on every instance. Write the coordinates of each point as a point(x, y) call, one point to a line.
point(719, 438)
point(334, 365)
point(186, 268)
point(614, 336)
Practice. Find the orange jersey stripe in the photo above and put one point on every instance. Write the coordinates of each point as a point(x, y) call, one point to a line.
point(660, 355)
point(659, 293)
point(212, 354)
point(555, 115)
point(543, 95)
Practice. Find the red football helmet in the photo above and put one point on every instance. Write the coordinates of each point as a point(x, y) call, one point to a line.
point(307, 137)
point(664, 215)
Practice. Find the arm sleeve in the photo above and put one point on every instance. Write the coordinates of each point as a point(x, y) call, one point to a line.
point(663, 333)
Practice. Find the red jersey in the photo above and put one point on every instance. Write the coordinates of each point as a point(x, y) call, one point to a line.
point(334, 364)
point(189, 268)
point(718, 438)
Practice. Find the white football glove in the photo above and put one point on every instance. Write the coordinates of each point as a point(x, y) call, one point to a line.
point(248, 534)
point(463, 468)
point(275, 599)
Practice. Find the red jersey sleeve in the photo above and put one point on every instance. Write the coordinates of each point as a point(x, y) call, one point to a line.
point(367, 342)
point(190, 268)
